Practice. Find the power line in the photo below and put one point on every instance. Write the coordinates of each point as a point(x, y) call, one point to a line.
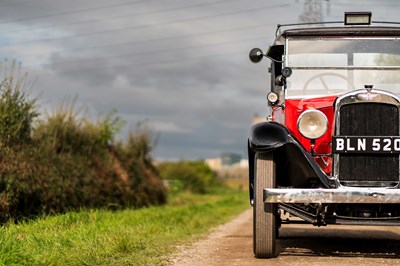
point(116, 17)
point(152, 25)
point(153, 39)
point(141, 64)
point(156, 51)
point(14, 3)
point(72, 11)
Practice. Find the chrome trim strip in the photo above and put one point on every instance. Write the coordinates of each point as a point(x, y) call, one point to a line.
point(347, 68)
point(340, 195)
point(351, 97)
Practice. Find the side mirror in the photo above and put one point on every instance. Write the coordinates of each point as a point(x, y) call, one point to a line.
point(256, 55)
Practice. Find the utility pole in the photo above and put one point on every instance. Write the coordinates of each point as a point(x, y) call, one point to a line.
point(312, 11)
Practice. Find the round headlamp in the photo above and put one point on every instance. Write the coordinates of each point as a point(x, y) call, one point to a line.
point(312, 124)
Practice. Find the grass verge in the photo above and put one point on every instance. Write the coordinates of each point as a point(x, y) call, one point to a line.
point(126, 237)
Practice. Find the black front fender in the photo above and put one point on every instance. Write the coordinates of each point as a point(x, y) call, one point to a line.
point(295, 167)
point(267, 136)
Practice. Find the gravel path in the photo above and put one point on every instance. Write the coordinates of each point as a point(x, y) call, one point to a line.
point(225, 241)
point(231, 244)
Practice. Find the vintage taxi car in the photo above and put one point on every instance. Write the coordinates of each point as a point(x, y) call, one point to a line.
point(329, 152)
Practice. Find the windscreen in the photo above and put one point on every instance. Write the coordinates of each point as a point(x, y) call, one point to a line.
point(324, 66)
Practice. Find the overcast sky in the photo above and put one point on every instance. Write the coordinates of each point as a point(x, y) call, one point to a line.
point(180, 65)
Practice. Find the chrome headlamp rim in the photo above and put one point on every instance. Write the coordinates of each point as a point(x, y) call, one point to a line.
point(314, 111)
point(272, 97)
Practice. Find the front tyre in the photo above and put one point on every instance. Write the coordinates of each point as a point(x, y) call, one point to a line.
point(264, 215)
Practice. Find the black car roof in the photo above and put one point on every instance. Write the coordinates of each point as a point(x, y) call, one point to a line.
point(353, 31)
point(344, 31)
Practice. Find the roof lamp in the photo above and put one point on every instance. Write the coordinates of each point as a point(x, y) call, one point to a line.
point(357, 18)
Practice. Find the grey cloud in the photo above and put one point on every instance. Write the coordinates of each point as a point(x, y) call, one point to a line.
point(185, 70)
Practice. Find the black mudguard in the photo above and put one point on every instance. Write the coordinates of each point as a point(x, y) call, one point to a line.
point(268, 136)
point(295, 167)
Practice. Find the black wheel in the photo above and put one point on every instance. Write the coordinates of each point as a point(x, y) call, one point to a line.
point(264, 215)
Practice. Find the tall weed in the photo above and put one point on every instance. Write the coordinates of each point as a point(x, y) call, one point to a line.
point(17, 110)
point(68, 130)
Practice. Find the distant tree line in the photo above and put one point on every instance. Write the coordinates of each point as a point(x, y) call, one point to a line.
point(191, 176)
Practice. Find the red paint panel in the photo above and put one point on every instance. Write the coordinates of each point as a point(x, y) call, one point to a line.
point(292, 111)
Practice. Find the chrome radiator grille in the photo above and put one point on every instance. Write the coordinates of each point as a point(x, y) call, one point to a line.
point(368, 119)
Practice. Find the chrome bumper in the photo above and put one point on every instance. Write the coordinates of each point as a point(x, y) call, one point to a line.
point(339, 195)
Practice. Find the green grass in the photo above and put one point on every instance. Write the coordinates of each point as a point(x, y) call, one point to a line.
point(128, 237)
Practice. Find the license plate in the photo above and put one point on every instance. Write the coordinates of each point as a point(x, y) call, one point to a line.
point(360, 144)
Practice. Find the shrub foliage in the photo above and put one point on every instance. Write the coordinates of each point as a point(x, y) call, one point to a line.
point(67, 162)
point(193, 176)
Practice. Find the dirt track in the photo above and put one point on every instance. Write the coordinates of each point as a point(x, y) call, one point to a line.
point(231, 244)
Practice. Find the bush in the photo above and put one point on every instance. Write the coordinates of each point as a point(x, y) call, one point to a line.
point(148, 187)
point(193, 176)
point(69, 162)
